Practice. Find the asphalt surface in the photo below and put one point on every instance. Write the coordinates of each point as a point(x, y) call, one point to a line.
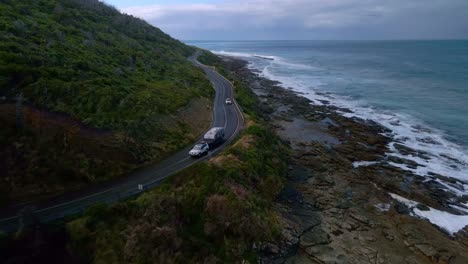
point(227, 116)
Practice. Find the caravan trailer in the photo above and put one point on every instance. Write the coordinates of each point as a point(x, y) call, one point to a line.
point(214, 136)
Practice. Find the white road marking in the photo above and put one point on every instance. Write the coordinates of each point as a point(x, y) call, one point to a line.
point(180, 161)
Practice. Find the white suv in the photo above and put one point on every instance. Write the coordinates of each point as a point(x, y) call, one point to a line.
point(199, 150)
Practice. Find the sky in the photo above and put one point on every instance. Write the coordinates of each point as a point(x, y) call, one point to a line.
point(303, 19)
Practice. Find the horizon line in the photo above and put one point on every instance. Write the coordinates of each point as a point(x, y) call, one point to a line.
point(447, 39)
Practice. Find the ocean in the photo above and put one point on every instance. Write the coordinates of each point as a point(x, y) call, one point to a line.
point(417, 89)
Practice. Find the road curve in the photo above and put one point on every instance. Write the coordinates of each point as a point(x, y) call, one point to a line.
point(228, 116)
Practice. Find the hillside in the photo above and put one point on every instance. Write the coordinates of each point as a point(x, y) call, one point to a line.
point(87, 93)
point(212, 212)
point(216, 211)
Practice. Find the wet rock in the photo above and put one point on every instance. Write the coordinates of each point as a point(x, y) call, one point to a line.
point(360, 218)
point(382, 207)
point(409, 163)
point(409, 151)
point(272, 248)
point(344, 204)
point(347, 225)
point(395, 159)
point(289, 195)
point(359, 233)
point(322, 180)
point(329, 122)
point(426, 249)
point(422, 207)
point(347, 198)
point(325, 254)
point(428, 140)
point(388, 235)
point(444, 178)
point(307, 218)
point(402, 208)
point(438, 191)
point(299, 174)
point(299, 259)
point(452, 159)
point(337, 232)
point(366, 238)
point(315, 236)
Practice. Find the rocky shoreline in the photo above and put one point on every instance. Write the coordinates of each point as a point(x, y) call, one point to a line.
point(336, 206)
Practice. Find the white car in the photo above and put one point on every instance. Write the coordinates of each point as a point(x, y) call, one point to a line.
point(228, 101)
point(199, 150)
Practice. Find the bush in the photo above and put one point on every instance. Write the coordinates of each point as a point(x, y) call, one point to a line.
point(131, 72)
point(204, 212)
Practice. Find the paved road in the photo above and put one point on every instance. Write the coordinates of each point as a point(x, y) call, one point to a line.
point(228, 116)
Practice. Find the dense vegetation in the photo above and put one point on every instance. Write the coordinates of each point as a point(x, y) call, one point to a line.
point(119, 77)
point(87, 93)
point(211, 213)
point(87, 59)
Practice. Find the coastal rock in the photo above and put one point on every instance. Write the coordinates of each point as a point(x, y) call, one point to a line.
point(402, 208)
point(307, 218)
point(315, 236)
point(422, 207)
point(329, 211)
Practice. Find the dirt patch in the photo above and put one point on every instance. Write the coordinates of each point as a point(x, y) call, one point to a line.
point(220, 161)
point(196, 115)
point(245, 142)
point(73, 134)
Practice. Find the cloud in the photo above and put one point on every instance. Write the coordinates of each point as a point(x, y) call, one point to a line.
point(310, 19)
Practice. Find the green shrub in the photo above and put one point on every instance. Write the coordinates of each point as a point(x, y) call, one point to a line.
point(204, 212)
point(86, 59)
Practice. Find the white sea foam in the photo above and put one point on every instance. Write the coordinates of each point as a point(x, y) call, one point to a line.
point(243, 55)
point(273, 59)
point(358, 164)
point(382, 207)
point(461, 209)
point(298, 84)
point(450, 222)
point(433, 153)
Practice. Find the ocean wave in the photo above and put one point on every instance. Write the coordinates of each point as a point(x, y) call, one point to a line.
point(272, 59)
point(434, 154)
point(431, 151)
point(449, 222)
point(244, 55)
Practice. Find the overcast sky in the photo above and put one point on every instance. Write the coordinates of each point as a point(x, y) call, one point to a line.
point(303, 19)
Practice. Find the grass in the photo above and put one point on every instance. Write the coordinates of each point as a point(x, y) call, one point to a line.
point(87, 59)
point(211, 212)
point(208, 211)
point(84, 62)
